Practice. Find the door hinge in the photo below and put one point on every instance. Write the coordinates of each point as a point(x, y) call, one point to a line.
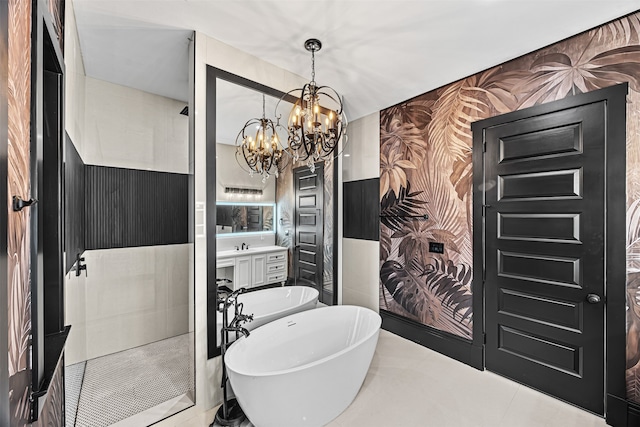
point(484, 338)
point(484, 146)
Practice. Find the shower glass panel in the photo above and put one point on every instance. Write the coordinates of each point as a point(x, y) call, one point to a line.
point(130, 353)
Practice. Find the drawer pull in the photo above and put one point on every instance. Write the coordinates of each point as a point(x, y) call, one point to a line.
point(276, 257)
point(278, 278)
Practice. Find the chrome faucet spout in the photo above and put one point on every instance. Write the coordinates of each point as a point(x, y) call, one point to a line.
point(238, 329)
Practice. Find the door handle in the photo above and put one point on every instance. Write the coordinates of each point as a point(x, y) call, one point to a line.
point(19, 204)
point(593, 298)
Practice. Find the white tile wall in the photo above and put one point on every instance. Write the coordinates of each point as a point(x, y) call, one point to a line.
point(206, 394)
point(361, 158)
point(133, 129)
point(74, 80)
point(130, 297)
point(230, 174)
point(360, 265)
point(360, 281)
point(75, 315)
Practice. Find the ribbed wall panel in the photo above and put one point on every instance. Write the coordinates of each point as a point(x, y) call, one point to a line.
point(129, 208)
point(362, 209)
point(74, 203)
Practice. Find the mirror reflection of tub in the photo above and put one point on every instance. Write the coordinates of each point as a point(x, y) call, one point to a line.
point(267, 305)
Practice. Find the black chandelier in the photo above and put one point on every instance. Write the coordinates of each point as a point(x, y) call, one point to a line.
point(262, 155)
point(317, 120)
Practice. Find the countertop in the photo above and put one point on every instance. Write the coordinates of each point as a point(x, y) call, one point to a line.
point(251, 251)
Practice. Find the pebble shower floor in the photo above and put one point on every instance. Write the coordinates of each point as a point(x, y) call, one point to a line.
point(112, 388)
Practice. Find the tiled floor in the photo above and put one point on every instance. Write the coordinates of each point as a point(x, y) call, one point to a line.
point(411, 386)
point(128, 383)
point(73, 376)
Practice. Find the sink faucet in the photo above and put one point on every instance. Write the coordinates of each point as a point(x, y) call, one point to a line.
point(243, 246)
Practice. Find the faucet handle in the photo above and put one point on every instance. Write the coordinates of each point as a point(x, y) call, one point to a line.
point(242, 318)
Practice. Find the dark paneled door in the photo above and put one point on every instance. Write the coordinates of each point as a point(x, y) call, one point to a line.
point(308, 253)
point(254, 218)
point(544, 288)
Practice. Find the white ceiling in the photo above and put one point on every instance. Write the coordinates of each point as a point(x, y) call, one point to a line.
point(375, 53)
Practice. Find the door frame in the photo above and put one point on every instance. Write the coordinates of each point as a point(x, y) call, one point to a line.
point(615, 231)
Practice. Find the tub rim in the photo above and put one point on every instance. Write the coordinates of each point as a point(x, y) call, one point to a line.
point(335, 355)
point(271, 313)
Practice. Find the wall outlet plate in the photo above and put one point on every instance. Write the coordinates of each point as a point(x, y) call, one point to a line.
point(436, 247)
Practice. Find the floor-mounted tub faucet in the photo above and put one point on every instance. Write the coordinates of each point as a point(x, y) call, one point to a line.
point(229, 406)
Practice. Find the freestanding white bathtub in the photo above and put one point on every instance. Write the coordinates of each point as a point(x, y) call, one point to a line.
point(270, 304)
point(303, 369)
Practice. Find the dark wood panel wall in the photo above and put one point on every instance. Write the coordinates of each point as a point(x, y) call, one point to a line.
point(130, 207)
point(362, 209)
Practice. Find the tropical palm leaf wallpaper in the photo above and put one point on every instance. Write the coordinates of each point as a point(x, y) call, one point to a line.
point(18, 237)
point(425, 167)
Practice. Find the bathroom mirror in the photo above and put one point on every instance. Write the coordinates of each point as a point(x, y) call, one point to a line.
point(235, 218)
point(231, 101)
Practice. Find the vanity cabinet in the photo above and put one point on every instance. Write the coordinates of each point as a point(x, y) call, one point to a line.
point(257, 267)
point(242, 272)
point(258, 270)
point(276, 267)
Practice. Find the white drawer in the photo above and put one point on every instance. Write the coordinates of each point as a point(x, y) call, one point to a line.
point(225, 262)
point(275, 268)
point(279, 277)
point(276, 256)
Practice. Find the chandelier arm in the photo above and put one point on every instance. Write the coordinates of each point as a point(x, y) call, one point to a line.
point(247, 124)
point(282, 98)
point(336, 153)
point(245, 165)
point(251, 161)
point(335, 98)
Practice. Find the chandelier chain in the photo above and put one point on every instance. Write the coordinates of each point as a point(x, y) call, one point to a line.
point(313, 66)
point(264, 115)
